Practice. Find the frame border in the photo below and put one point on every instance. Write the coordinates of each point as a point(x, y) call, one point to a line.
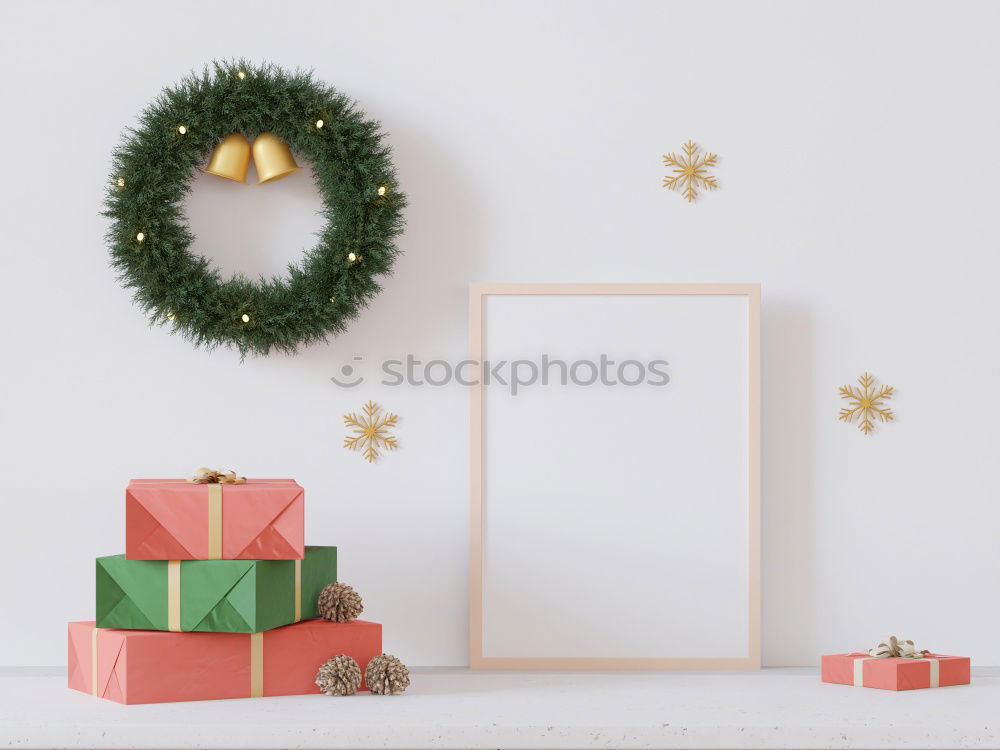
point(477, 295)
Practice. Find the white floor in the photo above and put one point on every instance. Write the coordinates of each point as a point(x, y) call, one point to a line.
point(457, 708)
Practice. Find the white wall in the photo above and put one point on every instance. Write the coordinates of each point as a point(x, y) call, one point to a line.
point(859, 150)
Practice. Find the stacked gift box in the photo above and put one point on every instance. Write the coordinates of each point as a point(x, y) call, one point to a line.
point(215, 597)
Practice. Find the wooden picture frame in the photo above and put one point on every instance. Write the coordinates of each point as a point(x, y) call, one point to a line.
point(481, 655)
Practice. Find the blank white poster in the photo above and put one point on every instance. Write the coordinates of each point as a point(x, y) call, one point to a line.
point(616, 513)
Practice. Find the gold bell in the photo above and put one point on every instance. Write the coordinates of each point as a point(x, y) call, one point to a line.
point(231, 158)
point(272, 158)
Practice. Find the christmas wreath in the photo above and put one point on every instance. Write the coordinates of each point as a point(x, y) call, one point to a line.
point(150, 240)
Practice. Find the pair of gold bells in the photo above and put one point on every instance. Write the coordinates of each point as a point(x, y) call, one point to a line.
point(271, 156)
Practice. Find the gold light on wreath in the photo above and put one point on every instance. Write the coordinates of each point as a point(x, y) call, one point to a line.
point(271, 155)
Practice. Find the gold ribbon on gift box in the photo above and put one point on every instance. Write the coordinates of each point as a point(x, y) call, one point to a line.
point(174, 594)
point(215, 479)
point(215, 522)
point(256, 664)
point(214, 476)
point(893, 648)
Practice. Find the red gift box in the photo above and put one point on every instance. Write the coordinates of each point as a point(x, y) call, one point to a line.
point(172, 519)
point(151, 666)
point(896, 673)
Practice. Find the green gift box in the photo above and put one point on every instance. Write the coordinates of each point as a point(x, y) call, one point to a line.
point(213, 596)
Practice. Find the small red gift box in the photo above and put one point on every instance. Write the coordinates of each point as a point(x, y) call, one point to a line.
point(896, 673)
point(172, 519)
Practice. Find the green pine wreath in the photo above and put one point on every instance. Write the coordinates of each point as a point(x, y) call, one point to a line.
point(150, 239)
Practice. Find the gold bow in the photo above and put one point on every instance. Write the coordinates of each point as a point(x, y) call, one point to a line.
point(212, 476)
point(892, 647)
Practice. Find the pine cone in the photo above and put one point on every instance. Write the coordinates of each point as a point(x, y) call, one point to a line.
point(339, 676)
point(338, 602)
point(387, 675)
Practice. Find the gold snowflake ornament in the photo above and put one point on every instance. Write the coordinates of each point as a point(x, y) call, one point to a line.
point(690, 173)
point(866, 404)
point(371, 432)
